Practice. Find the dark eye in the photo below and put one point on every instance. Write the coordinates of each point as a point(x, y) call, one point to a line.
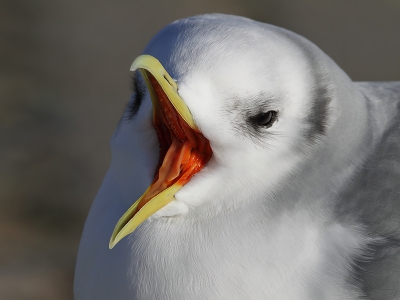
point(136, 97)
point(264, 119)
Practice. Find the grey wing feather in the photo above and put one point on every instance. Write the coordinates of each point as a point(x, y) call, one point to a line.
point(373, 198)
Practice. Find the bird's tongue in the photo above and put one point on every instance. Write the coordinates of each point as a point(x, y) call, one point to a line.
point(176, 169)
point(183, 151)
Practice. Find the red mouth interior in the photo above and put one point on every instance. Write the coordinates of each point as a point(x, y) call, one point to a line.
point(183, 151)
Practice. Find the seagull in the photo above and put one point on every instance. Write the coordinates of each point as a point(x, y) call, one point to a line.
point(247, 165)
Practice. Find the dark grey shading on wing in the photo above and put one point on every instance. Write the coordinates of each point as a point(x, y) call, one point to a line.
point(373, 198)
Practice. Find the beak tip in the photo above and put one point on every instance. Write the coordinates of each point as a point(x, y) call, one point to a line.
point(115, 238)
point(112, 243)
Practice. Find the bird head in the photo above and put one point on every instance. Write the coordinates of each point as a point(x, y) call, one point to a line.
point(230, 107)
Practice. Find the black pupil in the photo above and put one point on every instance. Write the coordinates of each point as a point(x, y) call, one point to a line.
point(265, 118)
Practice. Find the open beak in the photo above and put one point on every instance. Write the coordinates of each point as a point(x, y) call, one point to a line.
point(184, 150)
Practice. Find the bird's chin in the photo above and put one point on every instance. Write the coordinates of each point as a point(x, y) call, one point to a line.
point(174, 209)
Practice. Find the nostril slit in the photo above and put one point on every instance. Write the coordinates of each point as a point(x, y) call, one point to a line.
point(165, 77)
point(173, 83)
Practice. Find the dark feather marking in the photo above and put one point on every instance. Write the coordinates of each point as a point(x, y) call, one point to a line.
point(321, 98)
point(322, 91)
point(319, 111)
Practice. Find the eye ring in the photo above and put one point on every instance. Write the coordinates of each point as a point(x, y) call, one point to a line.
point(265, 119)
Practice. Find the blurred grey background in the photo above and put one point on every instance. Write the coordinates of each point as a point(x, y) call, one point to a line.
point(64, 82)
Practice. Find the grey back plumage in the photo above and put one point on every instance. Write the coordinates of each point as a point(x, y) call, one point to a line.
point(373, 197)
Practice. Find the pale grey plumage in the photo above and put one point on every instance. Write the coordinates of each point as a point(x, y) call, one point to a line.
point(373, 198)
point(306, 209)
